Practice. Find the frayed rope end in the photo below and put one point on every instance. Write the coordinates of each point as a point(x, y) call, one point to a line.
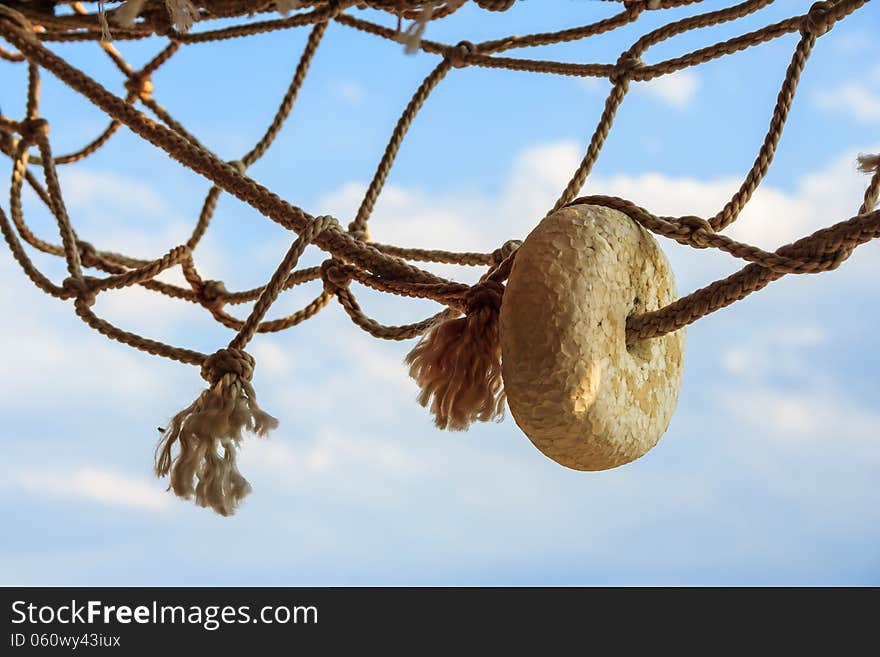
point(869, 163)
point(457, 364)
point(182, 13)
point(208, 432)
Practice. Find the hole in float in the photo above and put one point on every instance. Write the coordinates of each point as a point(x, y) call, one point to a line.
point(641, 350)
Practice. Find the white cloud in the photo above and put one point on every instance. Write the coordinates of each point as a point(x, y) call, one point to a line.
point(414, 217)
point(273, 359)
point(772, 218)
point(678, 89)
point(852, 98)
point(294, 462)
point(812, 415)
point(87, 189)
point(852, 42)
point(781, 349)
point(594, 85)
point(95, 485)
point(356, 468)
point(778, 390)
point(79, 361)
point(349, 91)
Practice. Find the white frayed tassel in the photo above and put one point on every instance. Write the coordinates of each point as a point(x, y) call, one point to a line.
point(183, 14)
point(208, 432)
point(411, 37)
point(284, 7)
point(126, 14)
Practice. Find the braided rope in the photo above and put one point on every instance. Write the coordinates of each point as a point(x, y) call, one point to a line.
point(387, 268)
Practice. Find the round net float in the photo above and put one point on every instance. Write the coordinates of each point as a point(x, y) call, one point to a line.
point(588, 324)
point(583, 396)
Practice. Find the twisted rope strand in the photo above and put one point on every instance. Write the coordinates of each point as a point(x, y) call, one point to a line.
point(382, 267)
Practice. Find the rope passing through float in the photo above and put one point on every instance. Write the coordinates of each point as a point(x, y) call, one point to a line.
point(465, 365)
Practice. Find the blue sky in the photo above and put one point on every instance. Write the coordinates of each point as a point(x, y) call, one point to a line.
point(767, 475)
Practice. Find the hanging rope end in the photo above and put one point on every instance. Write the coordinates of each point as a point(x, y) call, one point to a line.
point(208, 432)
point(457, 364)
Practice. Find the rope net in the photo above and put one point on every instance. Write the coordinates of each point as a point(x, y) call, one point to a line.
point(208, 432)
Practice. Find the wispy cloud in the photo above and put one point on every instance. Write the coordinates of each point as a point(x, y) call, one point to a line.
point(856, 99)
point(358, 471)
point(678, 89)
point(349, 91)
point(95, 485)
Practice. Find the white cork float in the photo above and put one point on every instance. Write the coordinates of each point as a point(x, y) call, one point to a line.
point(582, 396)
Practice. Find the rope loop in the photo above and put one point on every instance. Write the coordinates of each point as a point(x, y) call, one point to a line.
point(140, 86)
point(80, 288)
point(228, 361)
point(359, 232)
point(318, 225)
point(459, 56)
point(699, 231)
point(30, 128)
point(501, 254)
point(626, 64)
point(334, 276)
point(485, 294)
point(819, 19)
point(212, 294)
point(88, 254)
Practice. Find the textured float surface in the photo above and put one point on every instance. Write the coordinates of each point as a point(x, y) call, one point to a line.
point(580, 395)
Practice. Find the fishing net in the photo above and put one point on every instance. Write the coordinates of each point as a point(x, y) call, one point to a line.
point(457, 362)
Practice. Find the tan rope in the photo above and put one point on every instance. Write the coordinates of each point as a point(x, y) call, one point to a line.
point(382, 267)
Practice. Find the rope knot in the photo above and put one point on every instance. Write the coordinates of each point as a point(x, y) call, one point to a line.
point(626, 64)
point(318, 225)
point(361, 233)
point(486, 294)
point(459, 56)
point(140, 86)
point(699, 231)
point(238, 165)
point(819, 19)
point(501, 254)
point(334, 276)
point(213, 294)
point(457, 363)
point(88, 254)
point(228, 361)
point(31, 128)
point(80, 288)
point(207, 434)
